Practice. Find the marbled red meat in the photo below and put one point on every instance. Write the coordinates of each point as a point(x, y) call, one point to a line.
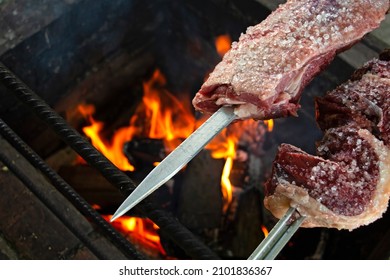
point(361, 101)
point(347, 184)
point(264, 73)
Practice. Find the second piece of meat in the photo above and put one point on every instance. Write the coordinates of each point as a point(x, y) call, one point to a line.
point(348, 184)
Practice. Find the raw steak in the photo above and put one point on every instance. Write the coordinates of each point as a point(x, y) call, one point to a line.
point(264, 73)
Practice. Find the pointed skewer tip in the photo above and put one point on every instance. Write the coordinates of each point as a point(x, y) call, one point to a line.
point(115, 216)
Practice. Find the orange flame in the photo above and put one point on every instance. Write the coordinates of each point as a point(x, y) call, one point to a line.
point(227, 187)
point(170, 119)
point(225, 146)
point(264, 230)
point(160, 116)
point(113, 150)
point(223, 44)
point(140, 230)
point(269, 124)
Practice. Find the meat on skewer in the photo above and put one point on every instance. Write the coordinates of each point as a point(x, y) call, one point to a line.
point(348, 184)
point(264, 73)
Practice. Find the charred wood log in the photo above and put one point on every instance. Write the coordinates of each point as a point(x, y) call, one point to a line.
point(144, 151)
point(247, 224)
point(200, 199)
point(91, 185)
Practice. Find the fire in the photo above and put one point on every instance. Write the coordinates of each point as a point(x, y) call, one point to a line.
point(227, 187)
point(264, 230)
point(170, 119)
point(160, 116)
point(269, 124)
point(141, 231)
point(225, 146)
point(222, 44)
point(224, 149)
point(113, 150)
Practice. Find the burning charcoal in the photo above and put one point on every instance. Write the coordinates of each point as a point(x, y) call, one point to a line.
point(144, 151)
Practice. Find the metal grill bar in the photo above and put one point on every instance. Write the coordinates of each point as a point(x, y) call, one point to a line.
point(63, 187)
point(39, 193)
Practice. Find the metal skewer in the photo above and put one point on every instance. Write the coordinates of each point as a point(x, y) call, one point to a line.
point(178, 158)
point(278, 237)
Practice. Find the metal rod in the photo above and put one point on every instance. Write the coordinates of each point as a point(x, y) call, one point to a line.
point(274, 252)
point(281, 233)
